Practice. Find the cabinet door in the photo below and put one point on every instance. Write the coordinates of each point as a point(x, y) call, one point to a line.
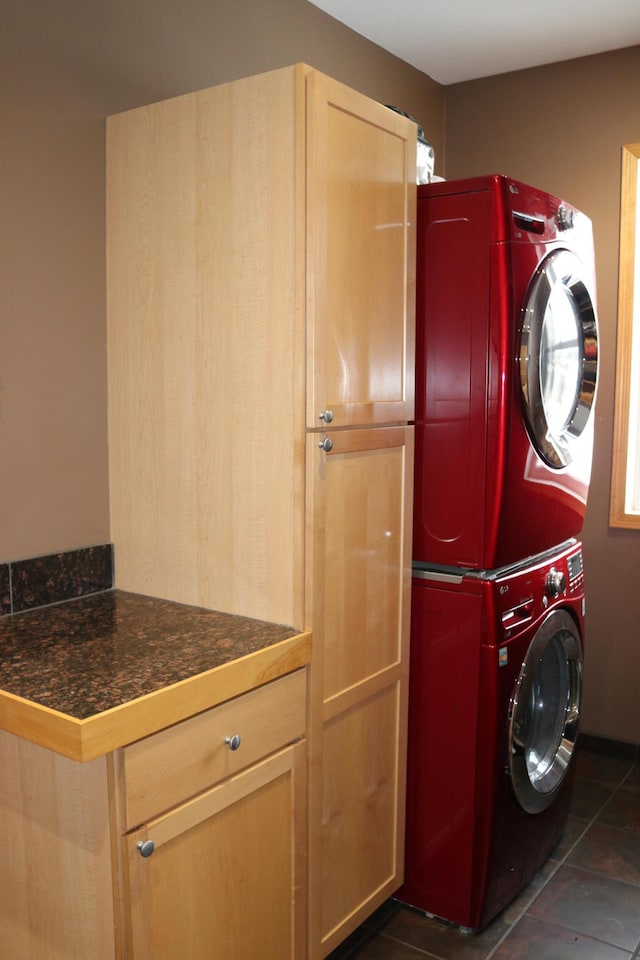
point(360, 581)
point(361, 210)
point(363, 797)
point(225, 878)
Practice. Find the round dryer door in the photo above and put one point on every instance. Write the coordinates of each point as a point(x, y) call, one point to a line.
point(558, 357)
point(545, 708)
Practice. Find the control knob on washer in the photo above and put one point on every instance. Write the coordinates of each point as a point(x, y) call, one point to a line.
point(565, 217)
point(555, 582)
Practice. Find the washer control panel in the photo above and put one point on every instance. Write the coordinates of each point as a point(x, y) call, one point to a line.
point(575, 569)
point(525, 595)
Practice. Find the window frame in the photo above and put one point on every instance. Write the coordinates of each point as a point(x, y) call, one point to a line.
point(629, 238)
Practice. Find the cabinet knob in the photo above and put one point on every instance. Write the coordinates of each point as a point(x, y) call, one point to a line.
point(233, 742)
point(326, 444)
point(326, 415)
point(146, 847)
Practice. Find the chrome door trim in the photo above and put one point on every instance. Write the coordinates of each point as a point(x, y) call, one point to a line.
point(559, 273)
point(537, 774)
point(510, 569)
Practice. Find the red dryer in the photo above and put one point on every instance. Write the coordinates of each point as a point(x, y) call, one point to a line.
point(507, 353)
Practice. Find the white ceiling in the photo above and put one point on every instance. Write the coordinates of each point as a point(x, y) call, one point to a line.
point(456, 40)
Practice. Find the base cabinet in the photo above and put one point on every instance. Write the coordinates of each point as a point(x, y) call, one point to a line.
point(225, 875)
point(56, 882)
point(219, 873)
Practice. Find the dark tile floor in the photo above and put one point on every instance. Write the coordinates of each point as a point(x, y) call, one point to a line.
point(584, 904)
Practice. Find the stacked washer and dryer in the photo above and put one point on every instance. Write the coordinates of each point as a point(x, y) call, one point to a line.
point(506, 372)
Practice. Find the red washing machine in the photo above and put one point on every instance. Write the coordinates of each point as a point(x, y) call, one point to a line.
point(495, 695)
point(507, 355)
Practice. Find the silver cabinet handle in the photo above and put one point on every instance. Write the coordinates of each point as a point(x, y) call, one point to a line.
point(326, 415)
point(326, 444)
point(233, 742)
point(146, 848)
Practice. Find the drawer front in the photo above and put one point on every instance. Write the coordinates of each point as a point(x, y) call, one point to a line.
point(169, 767)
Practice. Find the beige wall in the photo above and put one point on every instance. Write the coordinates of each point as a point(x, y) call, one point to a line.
point(561, 127)
point(66, 72)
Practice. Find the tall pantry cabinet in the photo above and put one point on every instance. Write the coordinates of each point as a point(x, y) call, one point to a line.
point(260, 338)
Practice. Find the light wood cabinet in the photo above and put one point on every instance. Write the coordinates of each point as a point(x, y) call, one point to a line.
point(205, 334)
point(227, 873)
point(358, 557)
point(221, 873)
point(167, 768)
point(360, 257)
point(260, 270)
point(56, 845)
point(261, 258)
point(226, 877)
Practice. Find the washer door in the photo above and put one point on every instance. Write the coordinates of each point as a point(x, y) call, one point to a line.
point(544, 712)
point(558, 357)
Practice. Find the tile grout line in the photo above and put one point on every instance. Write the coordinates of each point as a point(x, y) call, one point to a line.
point(604, 876)
point(412, 946)
point(556, 864)
point(626, 777)
point(559, 863)
point(635, 955)
point(524, 910)
point(563, 862)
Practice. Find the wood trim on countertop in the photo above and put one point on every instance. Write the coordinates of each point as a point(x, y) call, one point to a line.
point(84, 740)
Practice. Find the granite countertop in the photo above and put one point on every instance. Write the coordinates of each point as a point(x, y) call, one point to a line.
point(88, 675)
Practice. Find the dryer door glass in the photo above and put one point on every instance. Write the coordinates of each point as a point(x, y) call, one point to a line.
point(544, 712)
point(558, 357)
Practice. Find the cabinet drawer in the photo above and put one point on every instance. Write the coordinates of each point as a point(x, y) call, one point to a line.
point(167, 768)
